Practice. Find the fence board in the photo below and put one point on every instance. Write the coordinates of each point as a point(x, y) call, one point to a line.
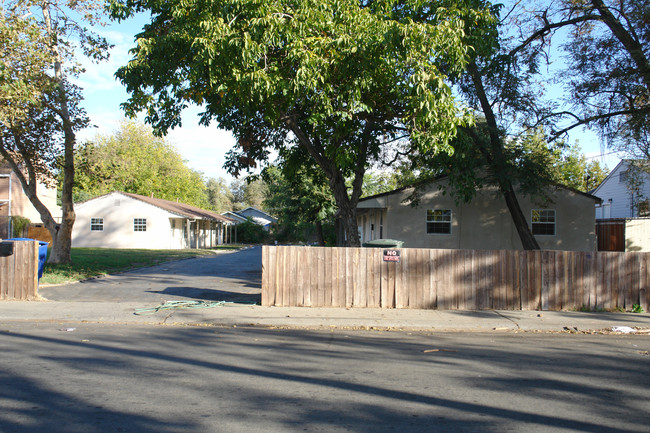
point(361, 296)
point(430, 256)
point(374, 275)
point(421, 291)
point(335, 277)
point(384, 300)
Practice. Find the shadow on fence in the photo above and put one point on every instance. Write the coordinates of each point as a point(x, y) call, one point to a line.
point(453, 279)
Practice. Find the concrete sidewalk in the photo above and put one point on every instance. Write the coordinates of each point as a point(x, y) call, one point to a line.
point(324, 318)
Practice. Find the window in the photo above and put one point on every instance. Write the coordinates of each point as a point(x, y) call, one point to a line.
point(439, 221)
point(543, 222)
point(623, 176)
point(139, 224)
point(97, 224)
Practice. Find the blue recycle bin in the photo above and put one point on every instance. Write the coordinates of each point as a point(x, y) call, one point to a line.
point(42, 253)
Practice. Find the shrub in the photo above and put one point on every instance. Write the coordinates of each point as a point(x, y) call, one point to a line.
point(250, 233)
point(19, 225)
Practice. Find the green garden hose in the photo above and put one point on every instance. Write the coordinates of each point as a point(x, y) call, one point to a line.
point(174, 305)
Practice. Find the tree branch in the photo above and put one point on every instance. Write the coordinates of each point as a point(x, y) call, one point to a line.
point(587, 120)
point(547, 29)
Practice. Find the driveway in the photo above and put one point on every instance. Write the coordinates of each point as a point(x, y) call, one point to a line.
point(234, 277)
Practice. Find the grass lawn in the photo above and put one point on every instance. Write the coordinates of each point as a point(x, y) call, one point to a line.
point(94, 262)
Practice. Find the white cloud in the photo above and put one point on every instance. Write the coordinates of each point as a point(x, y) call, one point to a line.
point(204, 148)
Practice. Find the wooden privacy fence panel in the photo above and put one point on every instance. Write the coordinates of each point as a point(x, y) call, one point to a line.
point(453, 279)
point(611, 234)
point(18, 270)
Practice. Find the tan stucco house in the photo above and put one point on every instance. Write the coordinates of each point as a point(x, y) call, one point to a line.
point(565, 222)
point(124, 220)
point(14, 201)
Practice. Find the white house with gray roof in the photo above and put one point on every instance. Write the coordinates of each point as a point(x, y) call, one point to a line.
point(618, 200)
point(124, 220)
point(259, 217)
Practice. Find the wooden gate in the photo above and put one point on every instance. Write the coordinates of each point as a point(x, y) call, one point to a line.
point(611, 234)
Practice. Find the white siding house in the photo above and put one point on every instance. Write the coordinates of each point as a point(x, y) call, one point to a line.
point(617, 200)
point(123, 220)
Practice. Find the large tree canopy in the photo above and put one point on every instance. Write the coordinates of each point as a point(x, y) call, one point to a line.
point(341, 78)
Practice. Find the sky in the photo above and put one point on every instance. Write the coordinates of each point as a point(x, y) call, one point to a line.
point(204, 148)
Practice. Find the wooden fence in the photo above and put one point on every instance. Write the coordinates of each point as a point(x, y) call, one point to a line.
point(454, 279)
point(18, 270)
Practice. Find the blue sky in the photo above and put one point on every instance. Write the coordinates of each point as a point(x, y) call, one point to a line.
point(204, 148)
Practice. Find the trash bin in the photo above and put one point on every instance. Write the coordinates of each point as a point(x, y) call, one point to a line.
point(42, 253)
point(384, 243)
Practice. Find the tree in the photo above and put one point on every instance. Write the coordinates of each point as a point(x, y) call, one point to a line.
point(576, 172)
point(340, 78)
point(300, 199)
point(40, 111)
point(248, 191)
point(133, 160)
point(220, 198)
point(608, 71)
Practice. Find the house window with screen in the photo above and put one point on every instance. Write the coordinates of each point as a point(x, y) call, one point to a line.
point(97, 224)
point(439, 221)
point(543, 222)
point(139, 224)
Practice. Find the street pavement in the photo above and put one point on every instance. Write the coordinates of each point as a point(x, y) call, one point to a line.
point(84, 361)
point(235, 278)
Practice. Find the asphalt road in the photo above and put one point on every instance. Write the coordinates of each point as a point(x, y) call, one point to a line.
point(234, 277)
point(164, 379)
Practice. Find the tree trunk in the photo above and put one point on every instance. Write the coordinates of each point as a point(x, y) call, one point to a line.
point(527, 238)
point(346, 204)
point(319, 233)
point(632, 45)
point(346, 215)
point(497, 165)
point(62, 238)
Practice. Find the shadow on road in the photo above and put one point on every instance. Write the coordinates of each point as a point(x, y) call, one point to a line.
point(210, 295)
point(249, 379)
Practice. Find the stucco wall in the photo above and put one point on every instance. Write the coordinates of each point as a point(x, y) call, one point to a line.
point(485, 223)
point(637, 235)
point(118, 212)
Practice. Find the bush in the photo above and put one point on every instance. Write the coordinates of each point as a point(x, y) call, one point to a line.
point(250, 233)
point(19, 225)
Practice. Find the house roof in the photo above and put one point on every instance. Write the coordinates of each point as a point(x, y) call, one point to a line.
point(234, 216)
point(181, 209)
point(614, 172)
point(252, 209)
point(258, 216)
point(439, 178)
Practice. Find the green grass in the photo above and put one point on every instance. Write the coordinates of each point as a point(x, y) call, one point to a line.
point(94, 262)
